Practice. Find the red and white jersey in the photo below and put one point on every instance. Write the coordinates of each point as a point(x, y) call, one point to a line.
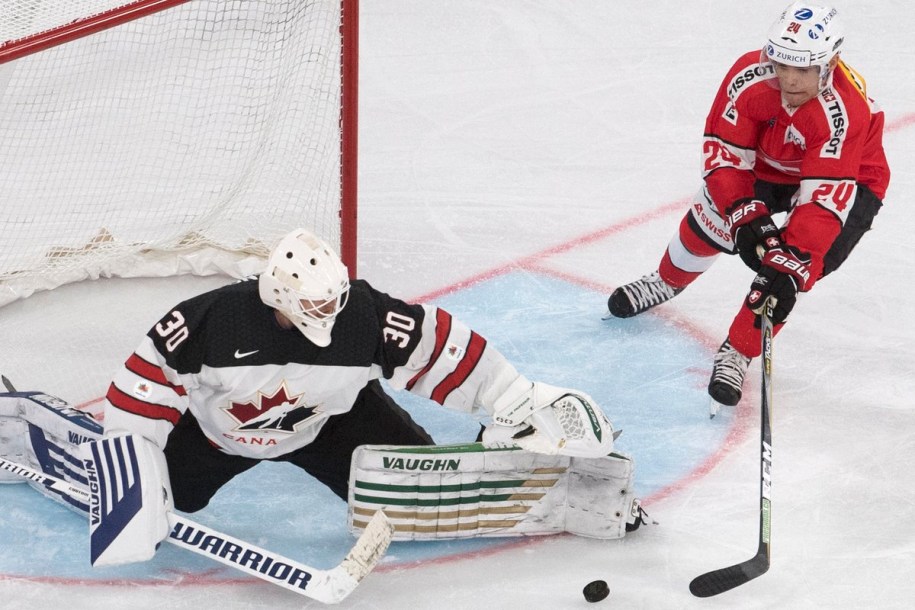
point(261, 391)
point(827, 146)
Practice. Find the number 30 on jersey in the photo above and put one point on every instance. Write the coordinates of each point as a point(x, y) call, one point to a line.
point(173, 331)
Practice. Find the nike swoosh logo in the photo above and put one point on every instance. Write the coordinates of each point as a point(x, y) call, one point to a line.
point(239, 354)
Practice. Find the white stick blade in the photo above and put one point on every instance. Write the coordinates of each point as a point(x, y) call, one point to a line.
point(371, 546)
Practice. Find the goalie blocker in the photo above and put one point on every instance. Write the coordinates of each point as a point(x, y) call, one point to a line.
point(126, 475)
point(44, 433)
point(470, 490)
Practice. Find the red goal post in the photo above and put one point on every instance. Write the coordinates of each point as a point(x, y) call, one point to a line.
point(163, 137)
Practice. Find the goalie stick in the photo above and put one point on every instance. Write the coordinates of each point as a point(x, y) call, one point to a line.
point(725, 579)
point(327, 586)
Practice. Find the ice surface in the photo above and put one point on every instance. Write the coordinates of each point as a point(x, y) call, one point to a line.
point(519, 159)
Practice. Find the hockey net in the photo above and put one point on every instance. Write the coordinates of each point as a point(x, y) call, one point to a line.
point(164, 137)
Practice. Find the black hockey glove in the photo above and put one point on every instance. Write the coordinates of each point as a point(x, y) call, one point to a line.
point(782, 274)
point(753, 230)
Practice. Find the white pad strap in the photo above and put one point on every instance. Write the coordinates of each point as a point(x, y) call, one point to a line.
point(130, 499)
point(468, 491)
point(44, 432)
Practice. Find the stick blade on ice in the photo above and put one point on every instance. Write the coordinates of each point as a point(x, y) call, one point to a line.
point(725, 579)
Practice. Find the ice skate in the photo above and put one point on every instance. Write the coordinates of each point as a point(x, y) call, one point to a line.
point(639, 296)
point(726, 384)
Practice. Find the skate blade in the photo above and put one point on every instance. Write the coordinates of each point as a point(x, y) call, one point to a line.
point(713, 407)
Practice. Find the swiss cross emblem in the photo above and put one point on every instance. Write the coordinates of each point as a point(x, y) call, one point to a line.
point(277, 412)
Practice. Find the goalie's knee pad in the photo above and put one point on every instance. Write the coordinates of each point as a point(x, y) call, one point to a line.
point(44, 433)
point(465, 491)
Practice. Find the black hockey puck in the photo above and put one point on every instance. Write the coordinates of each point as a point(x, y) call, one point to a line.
point(596, 591)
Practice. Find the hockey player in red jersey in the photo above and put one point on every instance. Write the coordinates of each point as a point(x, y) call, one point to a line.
point(792, 130)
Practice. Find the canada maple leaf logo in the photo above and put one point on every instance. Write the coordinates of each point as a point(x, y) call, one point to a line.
point(277, 412)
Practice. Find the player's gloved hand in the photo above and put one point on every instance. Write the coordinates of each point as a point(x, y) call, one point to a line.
point(753, 230)
point(783, 273)
point(541, 418)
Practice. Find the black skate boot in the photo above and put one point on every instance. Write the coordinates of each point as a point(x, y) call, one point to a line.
point(640, 295)
point(726, 384)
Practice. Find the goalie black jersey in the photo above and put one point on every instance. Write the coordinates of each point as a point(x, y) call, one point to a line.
point(260, 390)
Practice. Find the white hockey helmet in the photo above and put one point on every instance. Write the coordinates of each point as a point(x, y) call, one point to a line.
point(806, 35)
point(307, 282)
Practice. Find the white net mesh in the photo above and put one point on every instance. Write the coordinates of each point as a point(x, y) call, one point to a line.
point(188, 140)
point(22, 18)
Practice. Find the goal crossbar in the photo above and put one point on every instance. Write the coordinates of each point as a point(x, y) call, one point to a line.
point(159, 137)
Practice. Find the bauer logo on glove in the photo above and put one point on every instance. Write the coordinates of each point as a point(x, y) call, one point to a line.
point(790, 264)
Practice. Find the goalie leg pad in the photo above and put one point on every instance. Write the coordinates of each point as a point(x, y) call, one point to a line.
point(601, 499)
point(130, 499)
point(468, 491)
point(44, 433)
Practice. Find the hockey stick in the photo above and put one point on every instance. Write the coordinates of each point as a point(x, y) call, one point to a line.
point(327, 586)
point(725, 579)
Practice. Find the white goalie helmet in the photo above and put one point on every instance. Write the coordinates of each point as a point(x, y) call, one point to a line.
point(307, 282)
point(805, 35)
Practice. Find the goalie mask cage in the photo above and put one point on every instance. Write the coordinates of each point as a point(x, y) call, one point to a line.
point(163, 137)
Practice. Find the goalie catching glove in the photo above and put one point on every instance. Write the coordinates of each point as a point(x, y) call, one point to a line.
point(546, 419)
